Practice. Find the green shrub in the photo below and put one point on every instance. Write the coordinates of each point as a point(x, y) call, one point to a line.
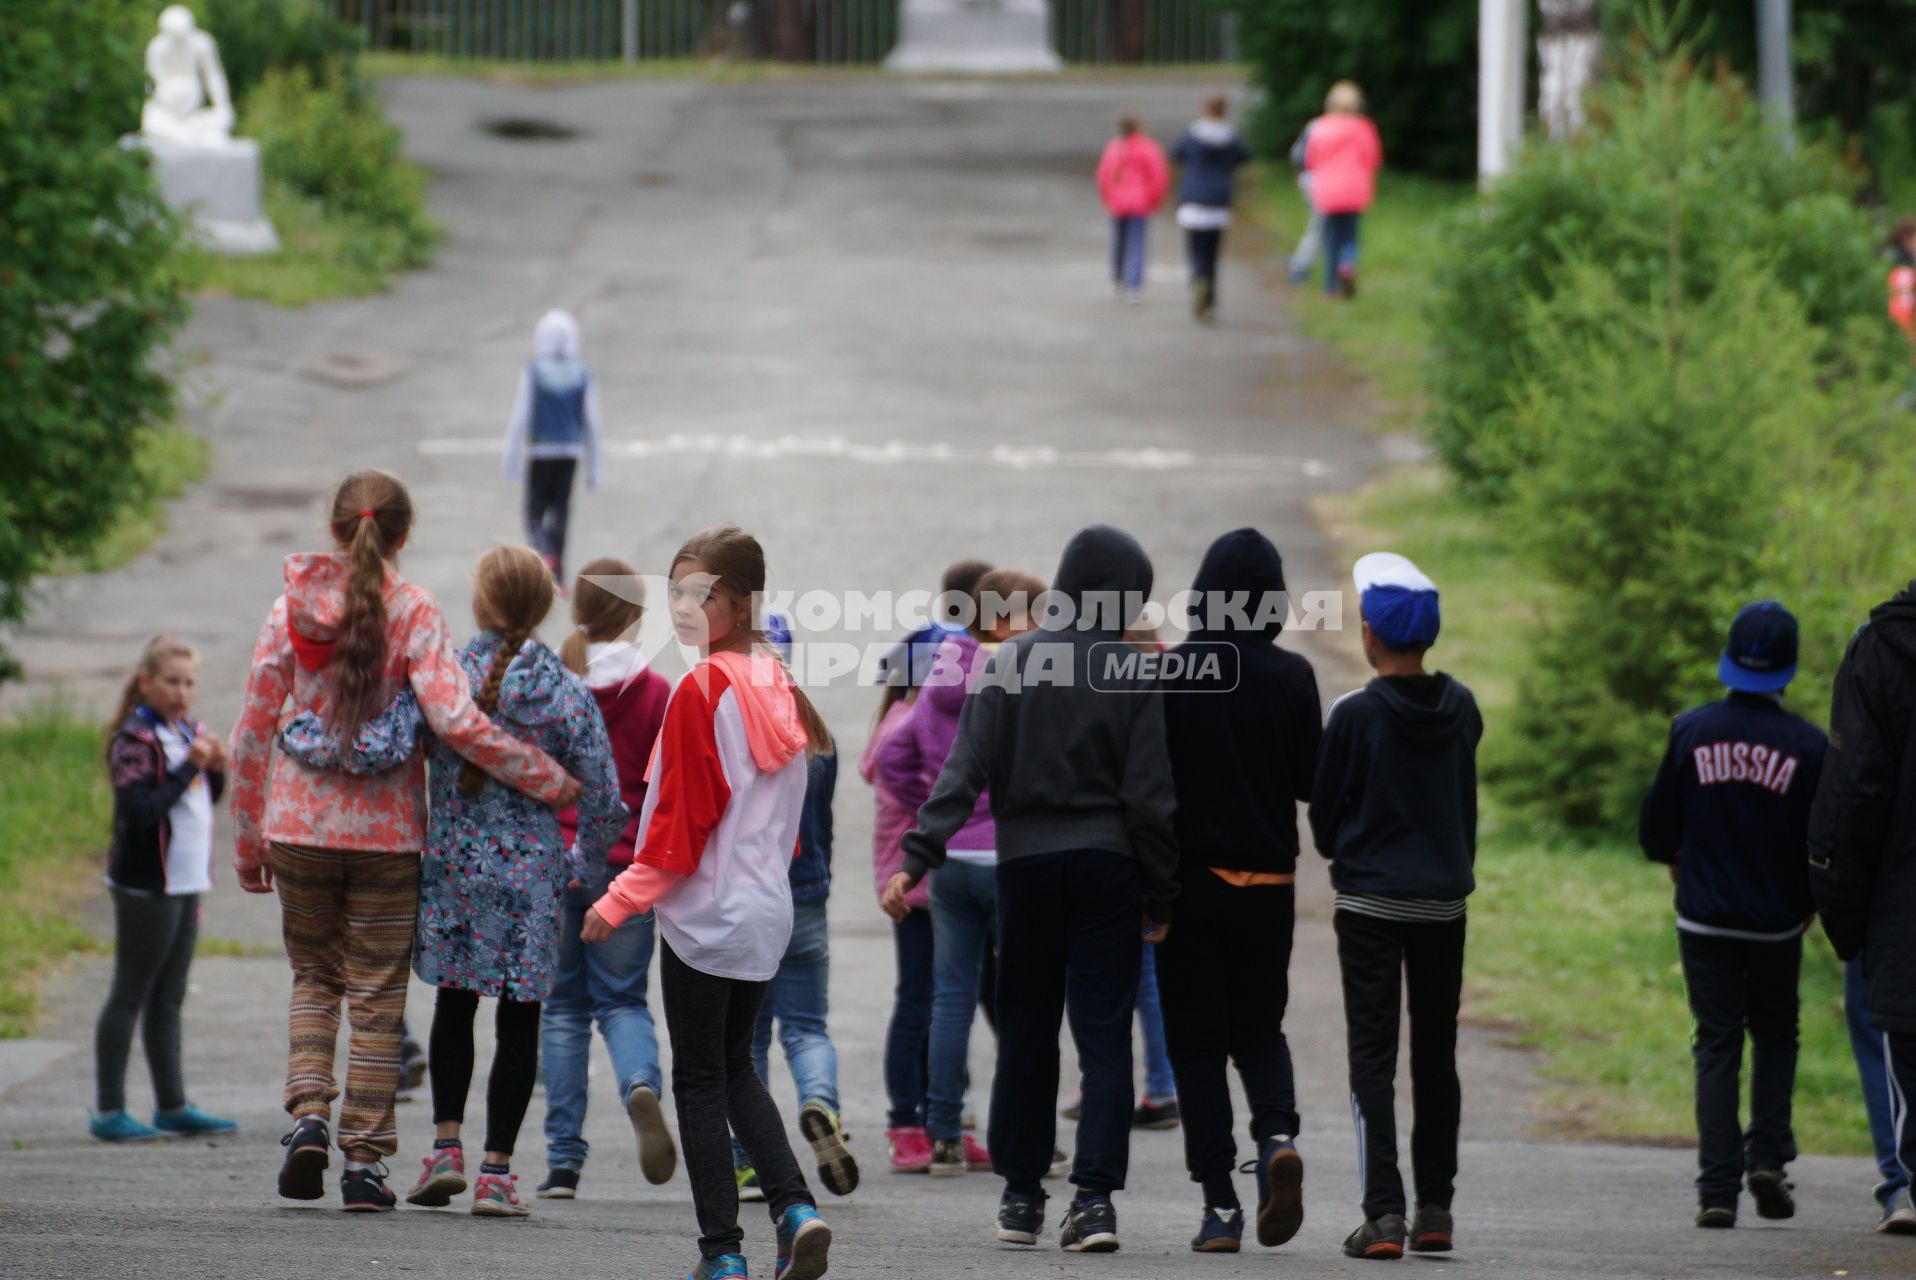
point(324, 142)
point(1656, 431)
point(88, 290)
point(1671, 155)
point(256, 36)
point(1416, 60)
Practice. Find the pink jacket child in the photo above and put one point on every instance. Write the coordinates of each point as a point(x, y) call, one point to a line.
point(894, 816)
point(1133, 176)
point(1342, 156)
point(909, 759)
point(278, 800)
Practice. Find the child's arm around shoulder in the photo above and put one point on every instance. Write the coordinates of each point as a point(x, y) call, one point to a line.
point(587, 756)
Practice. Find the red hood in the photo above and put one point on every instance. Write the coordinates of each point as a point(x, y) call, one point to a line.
point(316, 602)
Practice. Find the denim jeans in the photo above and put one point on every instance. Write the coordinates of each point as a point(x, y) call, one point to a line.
point(1340, 247)
point(1159, 1082)
point(603, 981)
point(796, 998)
point(1866, 1043)
point(908, 1038)
point(1127, 252)
point(964, 922)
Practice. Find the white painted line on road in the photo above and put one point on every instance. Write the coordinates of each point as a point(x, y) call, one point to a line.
point(1010, 456)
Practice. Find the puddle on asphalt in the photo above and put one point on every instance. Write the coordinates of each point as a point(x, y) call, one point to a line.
point(528, 129)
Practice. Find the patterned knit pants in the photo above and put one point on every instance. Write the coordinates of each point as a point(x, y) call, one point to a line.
point(347, 917)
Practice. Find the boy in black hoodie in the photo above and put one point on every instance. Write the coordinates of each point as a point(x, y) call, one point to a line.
point(1730, 813)
point(1394, 808)
point(1067, 731)
point(1243, 753)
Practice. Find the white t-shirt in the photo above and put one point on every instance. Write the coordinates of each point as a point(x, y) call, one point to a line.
point(189, 850)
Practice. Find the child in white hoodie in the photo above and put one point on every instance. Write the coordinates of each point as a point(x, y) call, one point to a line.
point(555, 423)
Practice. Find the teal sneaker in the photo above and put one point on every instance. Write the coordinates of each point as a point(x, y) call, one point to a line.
point(803, 1242)
point(118, 1126)
point(724, 1267)
point(189, 1119)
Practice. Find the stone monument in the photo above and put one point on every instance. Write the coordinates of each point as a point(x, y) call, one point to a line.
point(205, 173)
point(975, 36)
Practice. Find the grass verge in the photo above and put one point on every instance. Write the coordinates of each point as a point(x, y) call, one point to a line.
point(54, 814)
point(321, 255)
point(1572, 947)
point(1381, 331)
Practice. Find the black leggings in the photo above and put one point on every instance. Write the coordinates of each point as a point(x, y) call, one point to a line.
point(515, 1063)
point(711, 1021)
point(154, 937)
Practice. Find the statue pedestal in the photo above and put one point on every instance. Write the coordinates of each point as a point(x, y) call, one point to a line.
point(217, 190)
point(973, 36)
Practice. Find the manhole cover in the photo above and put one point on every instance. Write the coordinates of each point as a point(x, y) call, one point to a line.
point(356, 369)
point(528, 129)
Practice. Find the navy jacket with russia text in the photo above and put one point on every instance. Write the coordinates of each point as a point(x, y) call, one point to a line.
point(1731, 808)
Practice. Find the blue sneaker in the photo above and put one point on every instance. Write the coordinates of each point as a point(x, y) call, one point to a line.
point(803, 1242)
point(719, 1268)
point(118, 1126)
point(1221, 1231)
point(1280, 1191)
point(190, 1119)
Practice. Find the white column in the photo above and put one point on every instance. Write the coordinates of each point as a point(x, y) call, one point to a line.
point(1501, 82)
point(629, 30)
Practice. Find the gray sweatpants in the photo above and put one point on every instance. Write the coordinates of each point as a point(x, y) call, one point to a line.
point(153, 938)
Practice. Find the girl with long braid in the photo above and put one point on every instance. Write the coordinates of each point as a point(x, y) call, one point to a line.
point(496, 864)
point(342, 851)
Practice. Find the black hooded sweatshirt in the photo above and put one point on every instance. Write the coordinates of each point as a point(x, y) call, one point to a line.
point(1071, 747)
point(1242, 756)
point(1395, 804)
point(1862, 837)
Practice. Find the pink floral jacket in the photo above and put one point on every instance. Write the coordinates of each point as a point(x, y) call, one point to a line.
point(277, 799)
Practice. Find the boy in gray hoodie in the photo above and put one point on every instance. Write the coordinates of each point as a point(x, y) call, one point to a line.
point(1067, 731)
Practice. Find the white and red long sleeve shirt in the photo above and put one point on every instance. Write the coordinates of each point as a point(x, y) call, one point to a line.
point(718, 817)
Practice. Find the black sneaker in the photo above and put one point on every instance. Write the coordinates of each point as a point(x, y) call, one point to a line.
point(1090, 1226)
point(948, 1159)
point(1379, 1238)
point(302, 1175)
point(1431, 1229)
point(1219, 1231)
point(1156, 1115)
point(1716, 1217)
point(1020, 1218)
point(1771, 1193)
point(365, 1190)
point(560, 1184)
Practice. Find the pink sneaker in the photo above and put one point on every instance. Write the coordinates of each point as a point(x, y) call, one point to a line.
point(910, 1149)
point(977, 1159)
point(497, 1196)
point(443, 1178)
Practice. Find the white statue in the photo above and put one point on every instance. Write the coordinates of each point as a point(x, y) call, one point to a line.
point(190, 104)
point(1569, 48)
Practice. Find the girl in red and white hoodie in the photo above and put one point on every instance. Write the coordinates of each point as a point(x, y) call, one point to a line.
point(720, 828)
point(343, 849)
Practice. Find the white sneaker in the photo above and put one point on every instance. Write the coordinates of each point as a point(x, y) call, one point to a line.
point(658, 1155)
point(1899, 1216)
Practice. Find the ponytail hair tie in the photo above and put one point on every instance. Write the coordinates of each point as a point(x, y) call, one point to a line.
point(366, 513)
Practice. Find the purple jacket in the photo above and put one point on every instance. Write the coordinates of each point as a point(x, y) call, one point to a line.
point(909, 761)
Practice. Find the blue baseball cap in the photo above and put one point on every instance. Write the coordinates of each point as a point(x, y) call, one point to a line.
point(1398, 600)
point(1761, 654)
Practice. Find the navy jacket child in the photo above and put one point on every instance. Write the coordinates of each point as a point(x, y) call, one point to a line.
point(1730, 810)
point(1394, 808)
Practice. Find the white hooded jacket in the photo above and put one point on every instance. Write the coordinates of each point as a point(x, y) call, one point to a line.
point(556, 365)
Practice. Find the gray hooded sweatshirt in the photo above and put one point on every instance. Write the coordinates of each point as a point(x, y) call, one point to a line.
point(1068, 736)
